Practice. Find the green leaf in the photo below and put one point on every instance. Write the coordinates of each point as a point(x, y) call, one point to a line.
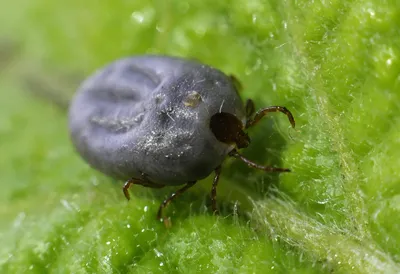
point(334, 64)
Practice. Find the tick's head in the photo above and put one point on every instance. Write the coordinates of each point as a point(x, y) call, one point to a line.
point(228, 129)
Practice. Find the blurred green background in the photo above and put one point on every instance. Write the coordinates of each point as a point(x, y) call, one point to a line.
point(334, 64)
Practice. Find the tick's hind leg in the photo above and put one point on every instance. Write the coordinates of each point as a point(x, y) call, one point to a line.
point(172, 197)
point(142, 181)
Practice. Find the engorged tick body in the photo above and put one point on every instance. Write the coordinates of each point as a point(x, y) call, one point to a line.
point(161, 121)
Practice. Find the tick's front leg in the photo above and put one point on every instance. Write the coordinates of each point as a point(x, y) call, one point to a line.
point(263, 112)
point(250, 109)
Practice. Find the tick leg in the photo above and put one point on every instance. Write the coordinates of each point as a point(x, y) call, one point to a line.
point(143, 182)
point(250, 109)
point(236, 83)
point(170, 198)
point(236, 155)
point(262, 112)
point(214, 190)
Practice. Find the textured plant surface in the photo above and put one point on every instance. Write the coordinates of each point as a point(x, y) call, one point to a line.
point(335, 64)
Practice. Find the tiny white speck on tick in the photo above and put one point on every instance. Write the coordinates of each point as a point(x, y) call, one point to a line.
point(222, 104)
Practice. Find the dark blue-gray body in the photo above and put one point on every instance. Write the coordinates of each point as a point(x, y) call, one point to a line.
point(150, 115)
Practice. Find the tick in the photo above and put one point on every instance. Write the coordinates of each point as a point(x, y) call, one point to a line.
point(161, 121)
